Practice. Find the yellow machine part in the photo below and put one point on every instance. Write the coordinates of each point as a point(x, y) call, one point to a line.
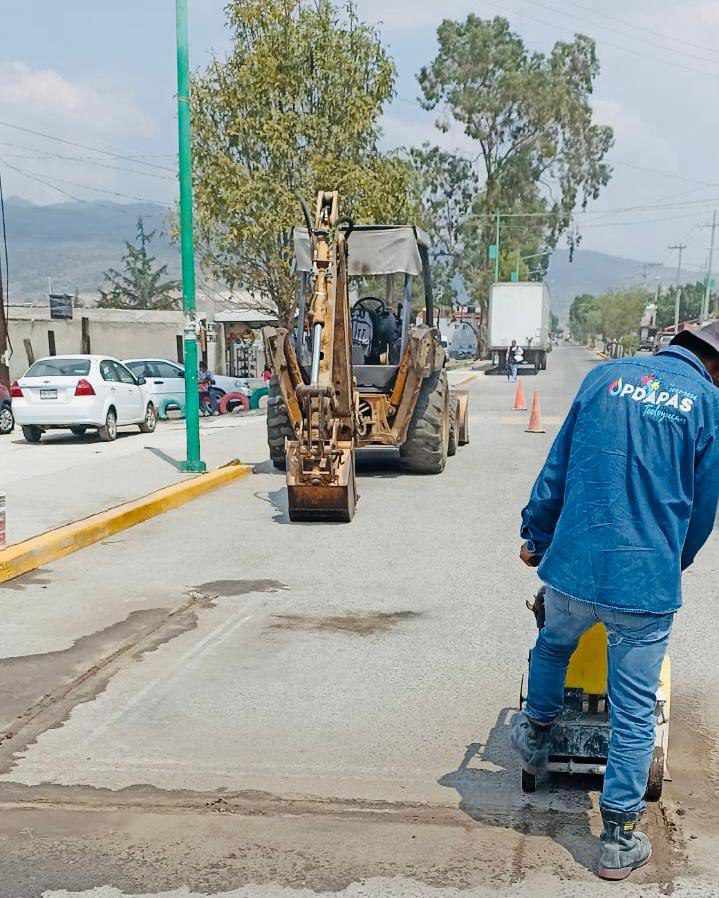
point(588, 667)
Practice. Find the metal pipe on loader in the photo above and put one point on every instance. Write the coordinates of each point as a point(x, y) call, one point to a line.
point(519, 311)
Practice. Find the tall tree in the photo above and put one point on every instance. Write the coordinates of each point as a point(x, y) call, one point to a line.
point(141, 284)
point(448, 188)
point(621, 313)
point(540, 152)
point(293, 109)
point(690, 304)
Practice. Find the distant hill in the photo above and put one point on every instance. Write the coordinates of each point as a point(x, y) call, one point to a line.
point(74, 243)
point(597, 273)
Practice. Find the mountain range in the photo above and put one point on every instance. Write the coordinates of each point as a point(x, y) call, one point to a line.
point(74, 243)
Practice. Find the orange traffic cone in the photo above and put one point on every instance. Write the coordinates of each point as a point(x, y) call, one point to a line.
point(519, 404)
point(535, 417)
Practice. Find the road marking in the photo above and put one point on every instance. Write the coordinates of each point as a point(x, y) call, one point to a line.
point(465, 380)
point(213, 639)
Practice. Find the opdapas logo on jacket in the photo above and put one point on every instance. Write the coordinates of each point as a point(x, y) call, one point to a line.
point(649, 392)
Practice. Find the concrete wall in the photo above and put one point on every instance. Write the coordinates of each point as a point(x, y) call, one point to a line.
point(118, 333)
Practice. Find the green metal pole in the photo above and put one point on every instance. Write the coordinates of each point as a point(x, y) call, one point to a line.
point(193, 463)
point(496, 261)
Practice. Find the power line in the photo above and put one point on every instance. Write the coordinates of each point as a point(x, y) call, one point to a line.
point(141, 199)
point(641, 28)
point(88, 160)
point(649, 43)
point(83, 146)
point(606, 43)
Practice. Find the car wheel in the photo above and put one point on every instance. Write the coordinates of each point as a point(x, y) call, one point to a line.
point(79, 430)
point(32, 433)
point(108, 432)
point(7, 422)
point(150, 422)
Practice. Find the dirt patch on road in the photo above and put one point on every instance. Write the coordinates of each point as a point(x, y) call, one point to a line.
point(42, 690)
point(234, 588)
point(366, 623)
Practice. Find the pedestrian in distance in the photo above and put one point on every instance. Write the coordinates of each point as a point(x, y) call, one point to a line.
point(515, 357)
point(205, 381)
point(627, 497)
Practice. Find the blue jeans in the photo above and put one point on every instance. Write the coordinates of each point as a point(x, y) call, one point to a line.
point(637, 644)
point(512, 372)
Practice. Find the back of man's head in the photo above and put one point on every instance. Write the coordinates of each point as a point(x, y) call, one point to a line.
point(704, 343)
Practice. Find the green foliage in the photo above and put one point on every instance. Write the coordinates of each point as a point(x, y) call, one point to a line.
point(141, 284)
point(621, 313)
point(448, 187)
point(531, 117)
point(554, 322)
point(631, 344)
point(584, 318)
point(690, 304)
point(613, 316)
point(293, 109)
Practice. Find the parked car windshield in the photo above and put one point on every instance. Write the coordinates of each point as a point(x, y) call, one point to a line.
point(59, 368)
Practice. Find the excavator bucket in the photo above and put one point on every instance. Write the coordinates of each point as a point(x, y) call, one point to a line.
point(330, 498)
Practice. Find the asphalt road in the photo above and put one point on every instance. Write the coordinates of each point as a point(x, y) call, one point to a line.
point(219, 701)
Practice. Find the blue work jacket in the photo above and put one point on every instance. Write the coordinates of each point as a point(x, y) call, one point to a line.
point(628, 494)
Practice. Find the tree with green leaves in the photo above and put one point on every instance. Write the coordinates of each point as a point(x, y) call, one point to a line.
point(448, 188)
point(141, 284)
point(621, 313)
point(530, 114)
point(293, 109)
point(690, 304)
point(584, 318)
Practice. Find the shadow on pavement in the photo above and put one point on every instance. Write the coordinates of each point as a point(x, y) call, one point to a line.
point(176, 463)
point(488, 783)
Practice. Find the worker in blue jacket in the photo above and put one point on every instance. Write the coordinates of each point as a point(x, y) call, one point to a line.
point(627, 497)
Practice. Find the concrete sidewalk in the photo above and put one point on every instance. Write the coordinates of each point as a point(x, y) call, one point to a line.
point(66, 478)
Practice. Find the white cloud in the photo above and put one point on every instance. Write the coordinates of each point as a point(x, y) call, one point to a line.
point(45, 95)
point(44, 100)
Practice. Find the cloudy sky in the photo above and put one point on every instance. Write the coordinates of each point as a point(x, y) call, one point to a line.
point(102, 74)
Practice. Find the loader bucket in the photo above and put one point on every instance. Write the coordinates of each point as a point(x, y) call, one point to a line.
point(308, 501)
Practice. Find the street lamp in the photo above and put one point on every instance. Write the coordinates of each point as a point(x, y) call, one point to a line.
point(193, 463)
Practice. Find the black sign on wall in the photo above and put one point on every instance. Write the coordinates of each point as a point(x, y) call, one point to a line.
point(60, 305)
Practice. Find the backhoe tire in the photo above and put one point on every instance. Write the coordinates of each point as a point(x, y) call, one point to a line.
point(453, 425)
point(279, 427)
point(425, 449)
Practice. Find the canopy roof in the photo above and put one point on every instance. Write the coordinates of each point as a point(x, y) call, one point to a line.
point(373, 249)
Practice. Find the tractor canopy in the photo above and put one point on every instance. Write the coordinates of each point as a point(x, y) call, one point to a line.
point(374, 250)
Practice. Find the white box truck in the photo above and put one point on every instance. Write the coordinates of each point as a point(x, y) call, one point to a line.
point(519, 311)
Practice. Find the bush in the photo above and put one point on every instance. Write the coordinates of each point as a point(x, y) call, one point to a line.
point(631, 344)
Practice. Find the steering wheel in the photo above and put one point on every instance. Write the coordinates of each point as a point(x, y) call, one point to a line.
point(371, 304)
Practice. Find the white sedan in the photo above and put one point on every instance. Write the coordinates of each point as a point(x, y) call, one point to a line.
point(166, 380)
point(78, 392)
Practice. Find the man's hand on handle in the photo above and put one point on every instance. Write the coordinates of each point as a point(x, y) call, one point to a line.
point(527, 557)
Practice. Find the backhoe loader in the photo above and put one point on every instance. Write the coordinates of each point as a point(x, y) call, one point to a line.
point(354, 374)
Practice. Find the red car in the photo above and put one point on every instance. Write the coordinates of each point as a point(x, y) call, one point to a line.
point(7, 422)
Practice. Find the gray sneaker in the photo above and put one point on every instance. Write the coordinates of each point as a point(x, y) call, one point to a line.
point(623, 848)
point(531, 742)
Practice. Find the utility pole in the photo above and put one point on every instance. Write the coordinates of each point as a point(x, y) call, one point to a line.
point(681, 247)
point(496, 244)
point(193, 463)
point(707, 285)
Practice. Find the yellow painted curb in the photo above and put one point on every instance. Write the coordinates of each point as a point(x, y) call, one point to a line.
point(38, 550)
point(465, 380)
